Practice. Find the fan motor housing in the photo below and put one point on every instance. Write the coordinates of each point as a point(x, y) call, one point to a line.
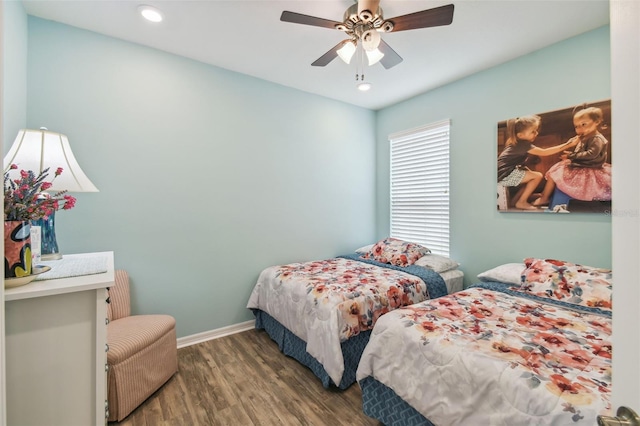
point(355, 24)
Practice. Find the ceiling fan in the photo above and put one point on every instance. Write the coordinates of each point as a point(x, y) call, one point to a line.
point(363, 22)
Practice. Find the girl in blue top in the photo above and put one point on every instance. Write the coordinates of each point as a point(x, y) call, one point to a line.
point(521, 132)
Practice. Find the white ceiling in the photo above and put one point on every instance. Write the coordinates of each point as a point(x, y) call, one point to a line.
point(248, 37)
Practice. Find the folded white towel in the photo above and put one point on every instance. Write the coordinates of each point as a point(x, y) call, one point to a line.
point(74, 267)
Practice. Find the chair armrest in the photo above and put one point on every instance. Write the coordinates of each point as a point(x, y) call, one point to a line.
point(120, 303)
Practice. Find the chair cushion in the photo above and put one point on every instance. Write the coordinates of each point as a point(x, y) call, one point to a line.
point(129, 335)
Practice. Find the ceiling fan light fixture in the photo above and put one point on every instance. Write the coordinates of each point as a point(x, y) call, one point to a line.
point(150, 13)
point(364, 86)
point(347, 50)
point(374, 56)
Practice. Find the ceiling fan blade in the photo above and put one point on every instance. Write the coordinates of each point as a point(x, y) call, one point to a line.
point(328, 57)
point(390, 58)
point(298, 18)
point(435, 17)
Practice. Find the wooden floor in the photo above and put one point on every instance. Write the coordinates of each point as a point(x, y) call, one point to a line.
point(244, 379)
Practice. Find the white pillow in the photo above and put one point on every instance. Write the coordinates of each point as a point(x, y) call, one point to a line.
point(510, 273)
point(437, 263)
point(365, 249)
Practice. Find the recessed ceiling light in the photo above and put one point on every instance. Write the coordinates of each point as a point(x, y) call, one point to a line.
point(363, 87)
point(150, 13)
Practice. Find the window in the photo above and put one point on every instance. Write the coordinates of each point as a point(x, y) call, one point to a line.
point(420, 186)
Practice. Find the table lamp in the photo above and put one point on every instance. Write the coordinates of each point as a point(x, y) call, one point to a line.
point(37, 150)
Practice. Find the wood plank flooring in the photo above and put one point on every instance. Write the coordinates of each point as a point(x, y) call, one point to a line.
point(244, 379)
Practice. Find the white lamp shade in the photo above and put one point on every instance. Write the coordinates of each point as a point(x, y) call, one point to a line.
point(347, 50)
point(37, 150)
point(374, 56)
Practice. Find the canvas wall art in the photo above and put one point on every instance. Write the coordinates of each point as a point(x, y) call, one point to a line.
point(557, 161)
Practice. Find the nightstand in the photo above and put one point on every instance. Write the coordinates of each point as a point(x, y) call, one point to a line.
point(56, 342)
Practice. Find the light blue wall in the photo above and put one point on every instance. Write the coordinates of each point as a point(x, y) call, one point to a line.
point(557, 77)
point(14, 72)
point(206, 176)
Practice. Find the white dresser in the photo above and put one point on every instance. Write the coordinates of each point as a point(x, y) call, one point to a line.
point(56, 341)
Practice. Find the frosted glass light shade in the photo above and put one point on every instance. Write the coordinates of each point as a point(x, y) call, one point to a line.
point(374, 56)
point(38, 149)
point(346, 51)
point(370, 40)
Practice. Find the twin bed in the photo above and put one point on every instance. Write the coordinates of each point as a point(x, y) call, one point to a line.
point(535, 353)
point(321, 313)
point(530, 344)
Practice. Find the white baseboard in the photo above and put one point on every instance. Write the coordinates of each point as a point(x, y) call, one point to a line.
point(215, 334)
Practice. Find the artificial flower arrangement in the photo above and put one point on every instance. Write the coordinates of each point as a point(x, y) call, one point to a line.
point(25, 199)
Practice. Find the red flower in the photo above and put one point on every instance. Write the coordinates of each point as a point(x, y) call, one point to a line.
point(395, 297)
point(428, 326)
point(25, 200)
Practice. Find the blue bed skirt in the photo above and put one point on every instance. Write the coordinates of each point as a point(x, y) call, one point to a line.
point(293, 346)
point(382, 403)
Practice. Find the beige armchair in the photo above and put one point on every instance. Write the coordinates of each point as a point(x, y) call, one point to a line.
point(142, 353)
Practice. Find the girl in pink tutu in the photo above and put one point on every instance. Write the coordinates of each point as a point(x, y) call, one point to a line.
point(583, 174)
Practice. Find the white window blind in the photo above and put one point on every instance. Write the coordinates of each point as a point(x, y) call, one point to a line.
point(420, 186)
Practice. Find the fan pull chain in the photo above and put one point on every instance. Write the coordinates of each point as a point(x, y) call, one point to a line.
point(357, 63)
point(360, 64)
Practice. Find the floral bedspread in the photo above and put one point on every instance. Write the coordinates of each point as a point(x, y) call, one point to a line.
point(326, 302)
point(483, 357)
